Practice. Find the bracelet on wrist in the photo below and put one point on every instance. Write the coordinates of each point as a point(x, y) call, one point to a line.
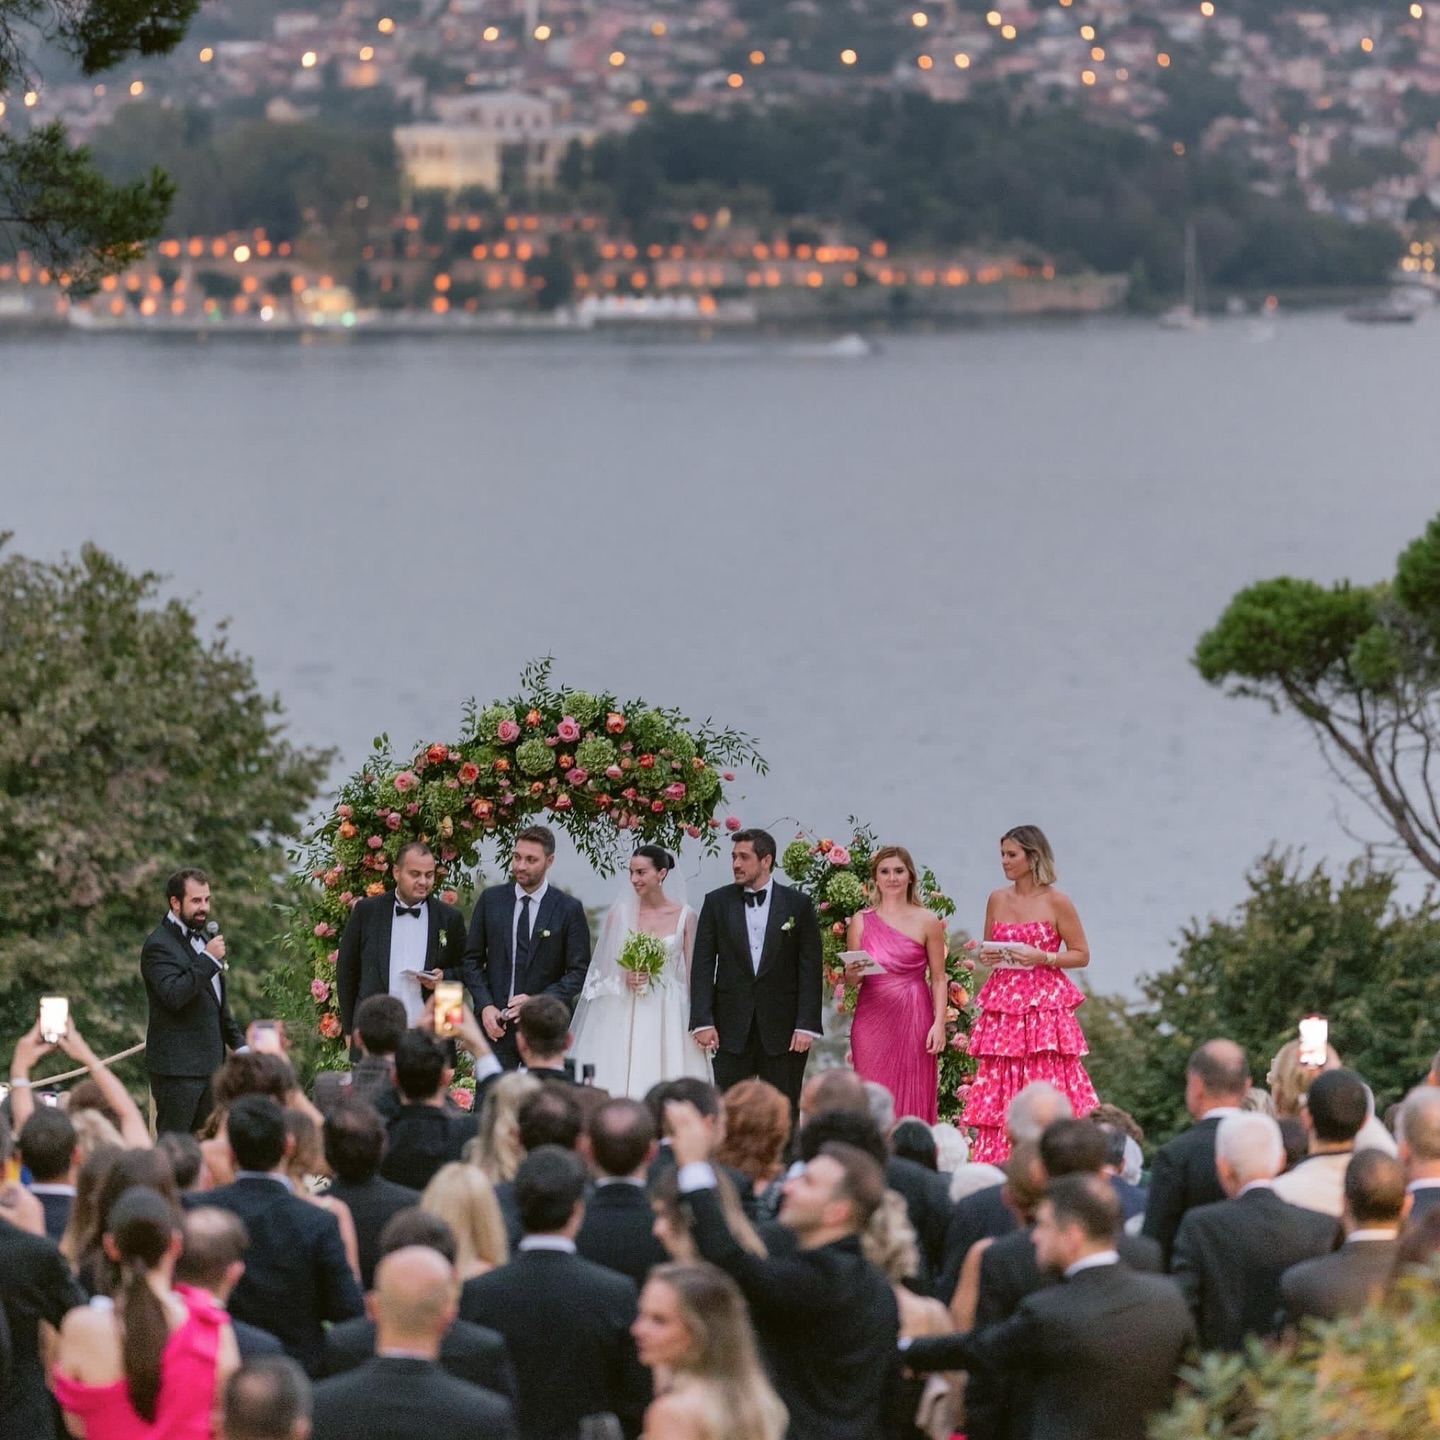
point(19, 1082)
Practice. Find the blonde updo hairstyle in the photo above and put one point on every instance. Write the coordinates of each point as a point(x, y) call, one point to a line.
point(900, 853)
point(1031, 839)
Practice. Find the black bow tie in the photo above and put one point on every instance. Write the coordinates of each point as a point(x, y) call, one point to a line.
point(755, 898)
point(199, 935)
point(411, 910)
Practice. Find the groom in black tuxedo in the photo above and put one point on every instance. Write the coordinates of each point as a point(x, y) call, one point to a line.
point(399, 942)
point(757, 980)
point(526, 938)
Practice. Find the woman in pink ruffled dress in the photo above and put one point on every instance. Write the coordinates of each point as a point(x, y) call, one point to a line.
point(899, 1027)
point(1027, 1028)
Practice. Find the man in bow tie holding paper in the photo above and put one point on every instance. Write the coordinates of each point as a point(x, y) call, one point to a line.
point(756, 981)
point(399, 942)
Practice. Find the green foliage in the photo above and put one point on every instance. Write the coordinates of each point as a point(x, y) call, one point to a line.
point(1303, 942)
point(130, 745)
point(1361, 666)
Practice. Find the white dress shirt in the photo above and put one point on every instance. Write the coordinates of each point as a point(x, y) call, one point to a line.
point(409, 936)
point(757, 917)
point(561, 1243)
point(1092, 1262)
point(197, 944)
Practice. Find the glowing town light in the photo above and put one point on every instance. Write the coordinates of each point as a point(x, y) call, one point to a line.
point(993, 17)
point(137, 87)
point(32, 99)
point(757, 57)
point(309, 59)
point(543, 32)
point(206, 55)
point(367, 52)
point(734, 81)
point(617, 58)
point(919, 19)
point(925, 62)
point(1087, 32)
point(1087, 77)
point(848, 57)
point(1097, 52)
point(1207, 8)
point(490, 34)
point(386, 26)
point(962, 61)
point(1007, 32)
point(1367, 44)
point(658, 29)
point(1162, 60)
point(241, 254)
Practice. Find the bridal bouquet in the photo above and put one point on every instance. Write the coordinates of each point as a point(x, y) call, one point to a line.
point(642, 954)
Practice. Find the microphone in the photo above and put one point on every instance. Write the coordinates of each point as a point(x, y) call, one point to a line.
point(212, 930)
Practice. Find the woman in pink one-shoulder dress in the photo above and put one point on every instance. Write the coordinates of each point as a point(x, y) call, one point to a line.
point(899, 1027)
point(1027, 1028)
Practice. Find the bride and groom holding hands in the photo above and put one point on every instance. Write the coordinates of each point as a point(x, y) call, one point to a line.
point(739, 993)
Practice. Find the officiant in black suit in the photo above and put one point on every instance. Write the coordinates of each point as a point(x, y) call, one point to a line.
point(400, 942)
point(756, 982)
point(190, 1024)
point(526, 938)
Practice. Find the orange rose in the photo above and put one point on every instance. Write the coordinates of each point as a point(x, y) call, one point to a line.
point(566, 762)
point(647, 762)
point(536, 788)
point(502, 765)
point(347, 830)
point(837, 928)
point(615, 722)
point(481, 809)
point(330, 1025)
point(436, 753)
point(376, 887)
point(826, 846)
point(532, 717)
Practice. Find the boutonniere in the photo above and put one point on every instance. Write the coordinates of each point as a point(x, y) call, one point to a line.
point(444, 939)
point(788, 926)
point(544, 934)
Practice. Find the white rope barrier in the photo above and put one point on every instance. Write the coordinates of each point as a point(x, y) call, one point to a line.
point(85, 1069)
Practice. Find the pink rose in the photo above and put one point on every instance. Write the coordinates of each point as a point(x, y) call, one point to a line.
point(332, 957)
point(838, 855)
point(578, 776)
point(732, 822)
point(469, 773)
point(346, 896)
point(614, 772)
point(374, 842)
point(713, 823)
point(567, 729)
point(839, 993)
point(454, 754)
point(675, 791)
point(507, 732)
point(462, 1097)
point(449, 896)
point(320, 990)
point(406, 780)
point(962, 1091)
point(630, 793)
point(959, 1042)
point(322, 930)
point(413, 808)
point(344, 811)
point(563, 802)
point(392, 821)
point(693, 831)
point(727, 774)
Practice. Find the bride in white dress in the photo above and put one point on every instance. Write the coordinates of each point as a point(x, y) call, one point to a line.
point(633, 1029)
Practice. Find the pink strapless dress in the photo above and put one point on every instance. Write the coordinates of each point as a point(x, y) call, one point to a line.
point(893, 1015)
point(1026, 1031)
point(187, 1384)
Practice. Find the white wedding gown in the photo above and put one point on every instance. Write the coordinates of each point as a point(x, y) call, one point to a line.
point(637, 1039)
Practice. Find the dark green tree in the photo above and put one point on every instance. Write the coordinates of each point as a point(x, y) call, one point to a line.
point(130, 744)
point(54, 202)
point(1360, 665)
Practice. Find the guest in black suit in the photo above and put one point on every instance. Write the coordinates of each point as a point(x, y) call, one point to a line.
point(267, 1399)
point(296, 1275)
point(1352, 1277)
point(826, 1319)
point(401, 942)
point(379, 1023)
point(403, 1393)
point(354, 1147)
point(1183, 1173)
point(50, 1152)
point(984, 1214)
point(214, 1260)
point(1099, 1354)
point(566, 1321)
point(618, 1230)
point(756, 979)
point(425, 1133)
point(190, 1021)
point(35, 1286)
point(469, 1352)
point(542, 1037)
point(526, 938)
point(1419, 1136)
point(550, 1115)
point(1228, 1257)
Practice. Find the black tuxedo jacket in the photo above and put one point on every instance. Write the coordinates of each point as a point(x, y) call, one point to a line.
point(617, 1231)
point(468, 1352)
point(726, 990)
point(362, 968)
point(1343, 1283)
point(188, 1028)
point(566, 1323)
point(1228, 1259)
point(372, 1203)
point(1098, 1353)
point(1182, 1176)
point(404, 1399)
point(827, 1323)
point(296, 1274)
point(927, 1202)
point(254, 1343)
point(35, 1285)
point(559, 949)
point(981, 1215)
point(422, 1138)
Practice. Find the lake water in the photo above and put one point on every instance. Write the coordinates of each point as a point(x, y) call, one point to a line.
point(951, 588)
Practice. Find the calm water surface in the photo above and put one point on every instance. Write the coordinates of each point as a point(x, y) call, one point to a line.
point(951, 588)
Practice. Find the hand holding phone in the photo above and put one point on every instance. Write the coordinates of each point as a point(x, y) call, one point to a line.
point(1314, 1041)
point(449, 1006)
point(267, 1037)
point(54, 1018)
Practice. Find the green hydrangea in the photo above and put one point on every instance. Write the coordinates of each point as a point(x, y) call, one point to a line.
point(582, 707)
point(680, 746)
point(648, 730)
point(845, 892)
point(705, 785)
point(534, 757)
point(595, 754)
point(796, 858)
point(653, 780)
point(490, 717)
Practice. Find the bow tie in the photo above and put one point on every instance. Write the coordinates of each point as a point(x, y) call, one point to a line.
point(199, 935)
point(411, 910)
point(755, 898)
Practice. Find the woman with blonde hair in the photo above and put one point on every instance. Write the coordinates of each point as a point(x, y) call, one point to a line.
point(1027, 1028)
point(496, 1148)
point(899, 1027)
point(1289, 1080)
point(693, 1331)
point(464, 1198)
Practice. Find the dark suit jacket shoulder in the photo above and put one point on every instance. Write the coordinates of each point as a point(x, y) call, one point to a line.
point(469, 1352)
point(35, 1286)
point(404, 1399)
point(982, 1215)
point(1342, 1283)
point(422, 1139)
point(362, 964)
point(372, 1203)
point(559, 948)
point(618, 1231)
point(1182, 1176)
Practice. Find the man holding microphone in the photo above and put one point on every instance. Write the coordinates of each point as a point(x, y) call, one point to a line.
point(183, 966)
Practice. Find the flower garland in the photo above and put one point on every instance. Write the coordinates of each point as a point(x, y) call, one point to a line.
point(837, 880)
point(610, 774)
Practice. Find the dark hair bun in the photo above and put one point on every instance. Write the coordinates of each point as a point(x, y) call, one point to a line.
point(660, 858)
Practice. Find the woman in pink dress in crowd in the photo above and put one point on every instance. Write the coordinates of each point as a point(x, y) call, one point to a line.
point(899, 1028)
point(1027, 1028)
point(153, 1365)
